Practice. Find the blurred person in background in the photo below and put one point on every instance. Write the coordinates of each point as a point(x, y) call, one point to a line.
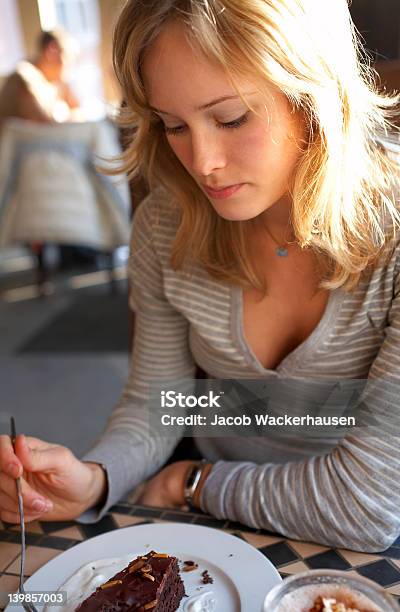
point(36, 90)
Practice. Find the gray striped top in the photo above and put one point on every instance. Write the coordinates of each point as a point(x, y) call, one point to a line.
point(339, 492)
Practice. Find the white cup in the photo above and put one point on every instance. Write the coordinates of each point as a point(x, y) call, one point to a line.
point(325, 583)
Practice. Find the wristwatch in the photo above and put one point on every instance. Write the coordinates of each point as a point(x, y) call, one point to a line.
point(192, 480)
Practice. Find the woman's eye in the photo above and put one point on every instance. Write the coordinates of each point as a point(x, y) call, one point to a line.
point(236, 123)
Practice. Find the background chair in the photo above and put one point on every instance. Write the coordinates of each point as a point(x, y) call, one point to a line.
point(52, 191)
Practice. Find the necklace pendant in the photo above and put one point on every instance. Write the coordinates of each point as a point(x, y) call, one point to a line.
point(281, 251)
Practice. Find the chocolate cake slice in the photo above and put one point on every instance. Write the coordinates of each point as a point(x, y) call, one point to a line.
point(150, 582)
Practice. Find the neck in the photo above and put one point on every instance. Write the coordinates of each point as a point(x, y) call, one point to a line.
point(277, 219)
point(40, 65)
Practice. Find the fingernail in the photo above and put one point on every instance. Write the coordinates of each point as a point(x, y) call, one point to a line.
point(39, 505)
point(49, 505)
point(13, 470)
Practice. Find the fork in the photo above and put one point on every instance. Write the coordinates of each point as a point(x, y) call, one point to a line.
point(27, 606)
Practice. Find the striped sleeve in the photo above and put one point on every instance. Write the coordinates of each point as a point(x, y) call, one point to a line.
point(131, 449)
point(349, 497)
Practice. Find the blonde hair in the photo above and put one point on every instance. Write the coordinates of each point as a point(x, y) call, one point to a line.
point(343, 188)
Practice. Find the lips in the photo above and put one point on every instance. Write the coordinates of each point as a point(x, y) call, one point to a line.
point(218, 188)
point(223, 192)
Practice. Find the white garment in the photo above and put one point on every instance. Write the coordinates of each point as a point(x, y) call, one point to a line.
point(46, 94)
point(50, 190)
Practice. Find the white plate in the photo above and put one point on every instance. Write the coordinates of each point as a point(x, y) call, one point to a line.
point(242, 575)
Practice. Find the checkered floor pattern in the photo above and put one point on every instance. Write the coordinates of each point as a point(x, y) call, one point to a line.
point(46, 540)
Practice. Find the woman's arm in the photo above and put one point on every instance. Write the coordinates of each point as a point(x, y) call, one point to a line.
point(349, 497)
point(131, 449)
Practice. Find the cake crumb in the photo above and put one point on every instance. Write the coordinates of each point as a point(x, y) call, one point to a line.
point(206, 578)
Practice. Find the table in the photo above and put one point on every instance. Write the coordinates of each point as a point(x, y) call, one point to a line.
point(46, 540)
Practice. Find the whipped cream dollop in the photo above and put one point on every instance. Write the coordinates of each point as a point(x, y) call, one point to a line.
point(86, 580)
point(204, 602)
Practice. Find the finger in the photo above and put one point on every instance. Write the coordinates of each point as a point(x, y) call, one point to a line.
point(11, 505)
point(9, 462)
point(41, 457)
point(13, 517)
point(33, 501)
point(36, 443)
point(7, 503)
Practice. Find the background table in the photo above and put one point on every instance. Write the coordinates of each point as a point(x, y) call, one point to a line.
point(47, 540)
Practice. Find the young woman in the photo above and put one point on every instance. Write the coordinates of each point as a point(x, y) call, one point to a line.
point(266, 250)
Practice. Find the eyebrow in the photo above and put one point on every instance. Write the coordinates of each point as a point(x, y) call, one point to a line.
point(199, 108)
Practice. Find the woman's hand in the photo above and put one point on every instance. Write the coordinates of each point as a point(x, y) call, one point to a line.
point(166, 488)
point(55, 484)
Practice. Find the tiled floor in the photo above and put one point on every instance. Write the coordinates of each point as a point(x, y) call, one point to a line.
point(49, 392)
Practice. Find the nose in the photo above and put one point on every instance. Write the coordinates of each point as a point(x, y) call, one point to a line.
point(208, 154)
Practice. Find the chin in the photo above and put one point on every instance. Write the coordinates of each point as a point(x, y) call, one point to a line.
point(237, 212)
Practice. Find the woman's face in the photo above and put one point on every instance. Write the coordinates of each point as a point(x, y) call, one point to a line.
point(214, 135)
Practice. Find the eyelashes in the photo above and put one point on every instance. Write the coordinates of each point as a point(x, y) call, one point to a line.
point(230, 125)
